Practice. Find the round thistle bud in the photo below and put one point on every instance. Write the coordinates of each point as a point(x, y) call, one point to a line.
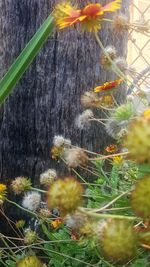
point(20, 224)
point(31, 261)
point(124, 112)
point(48, 177)
point(66, 195)
point(118, 241)
point(45, 213)
point(75, 157)
point(140, 198)
point(30, 237)
point(20, 185)
point(137, 140)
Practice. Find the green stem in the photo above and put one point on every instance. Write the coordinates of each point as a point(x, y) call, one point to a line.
point(5, 243)
point(39, 190)
point(116, 69)
point(75, 172)
point(20, 207)
point(107, 216)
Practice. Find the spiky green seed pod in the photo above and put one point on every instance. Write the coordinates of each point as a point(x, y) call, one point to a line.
point(29, 261)
point(140, 198)
point(66, 195)
point(137, 140)
point(20, 185)
point(124, 112)
point(30, 237)
point(118, 241)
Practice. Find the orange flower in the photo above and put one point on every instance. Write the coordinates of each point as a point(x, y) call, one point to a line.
point(56, 223)
point(90, 16)
point(108, 86)
point(111, 148)
point(66, 15)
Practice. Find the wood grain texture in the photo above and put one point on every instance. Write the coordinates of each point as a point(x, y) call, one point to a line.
point(47, 98)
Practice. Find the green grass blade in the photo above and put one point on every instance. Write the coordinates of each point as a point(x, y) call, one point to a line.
point(23, 61)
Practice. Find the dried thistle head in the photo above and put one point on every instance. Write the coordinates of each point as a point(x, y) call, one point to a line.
point(111, 51)
point(121, 23)
point(90, 99)
point(60, 141)
point(20, 185)
point(48, 177)
point(66, 195)
point(75, 157)
point(114, 127)
point(31, 201)
point(76, 220)
point(84, 118)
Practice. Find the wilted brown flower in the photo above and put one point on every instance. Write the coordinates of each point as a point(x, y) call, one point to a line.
point(75, 157)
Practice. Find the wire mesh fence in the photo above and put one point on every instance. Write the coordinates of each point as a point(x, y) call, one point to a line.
point(139, 42)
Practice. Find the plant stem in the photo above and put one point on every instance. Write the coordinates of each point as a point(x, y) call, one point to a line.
point(107, 216)
point(110, 156)
point(111, 202)
point(39, 190)
point(116, 69)
point(20, 207)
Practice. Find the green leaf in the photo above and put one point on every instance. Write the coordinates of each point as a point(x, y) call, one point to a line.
point(23, 61)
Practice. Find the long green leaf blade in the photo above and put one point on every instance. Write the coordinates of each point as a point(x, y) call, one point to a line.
point(23, 61)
